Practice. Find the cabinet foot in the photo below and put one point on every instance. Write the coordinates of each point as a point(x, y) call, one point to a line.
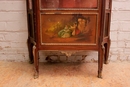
point(99, 75)
point(106, 62)
point(36, 75)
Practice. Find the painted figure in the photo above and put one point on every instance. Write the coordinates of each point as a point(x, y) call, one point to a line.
point(65, 33)
point(80, 27)
point(75, 29)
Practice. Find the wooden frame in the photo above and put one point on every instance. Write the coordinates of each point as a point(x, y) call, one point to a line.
point(50, 28)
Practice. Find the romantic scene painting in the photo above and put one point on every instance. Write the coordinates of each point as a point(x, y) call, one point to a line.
point(69, 28)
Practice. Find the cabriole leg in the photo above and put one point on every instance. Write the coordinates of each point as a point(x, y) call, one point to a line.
point(100, 61)
point(36, 62)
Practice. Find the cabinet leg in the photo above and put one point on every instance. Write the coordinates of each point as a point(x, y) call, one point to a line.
point(99, 74)
point(106, 55)
point(100, 61)
point(30, 46)
point(36, 62)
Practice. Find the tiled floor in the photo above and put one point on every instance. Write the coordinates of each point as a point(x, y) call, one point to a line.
point(19, 74)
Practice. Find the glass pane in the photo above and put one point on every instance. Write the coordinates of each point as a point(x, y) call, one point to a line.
point(107, 4)
point(69, 4)
point(106, 25)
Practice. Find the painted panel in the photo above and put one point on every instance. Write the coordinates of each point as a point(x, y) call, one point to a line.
point(68, 29)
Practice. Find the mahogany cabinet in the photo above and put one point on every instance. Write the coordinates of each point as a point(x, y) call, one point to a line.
point(69, 25)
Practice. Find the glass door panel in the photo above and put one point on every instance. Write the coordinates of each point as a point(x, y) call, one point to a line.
point(92, 4)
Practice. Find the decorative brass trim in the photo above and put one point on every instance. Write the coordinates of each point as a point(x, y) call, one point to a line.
point(68, 53)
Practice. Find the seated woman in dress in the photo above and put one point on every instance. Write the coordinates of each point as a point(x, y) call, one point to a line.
point(65, 33)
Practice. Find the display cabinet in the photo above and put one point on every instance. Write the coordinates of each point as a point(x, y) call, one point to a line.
point(74, 25)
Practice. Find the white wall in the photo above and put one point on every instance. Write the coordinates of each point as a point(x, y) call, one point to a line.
point(13, 32)
point(120, 30)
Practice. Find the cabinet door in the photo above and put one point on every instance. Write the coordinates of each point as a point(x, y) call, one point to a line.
point(69, 22)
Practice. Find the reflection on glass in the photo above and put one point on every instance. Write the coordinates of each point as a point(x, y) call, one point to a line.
point(69, 4)
point(107, 4)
